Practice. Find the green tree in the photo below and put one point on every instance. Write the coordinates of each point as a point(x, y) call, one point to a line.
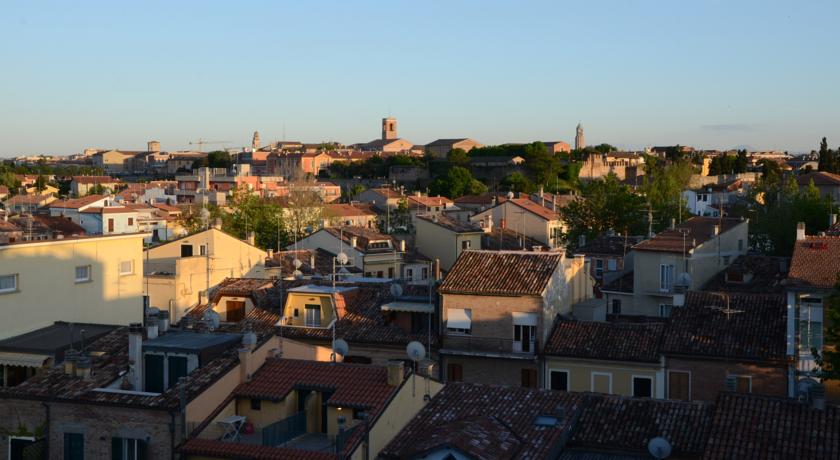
point(458, 157)
point(253, 214)
point(825, 162)
point(457, 182)
point(605, 204)
point(828, 359)
point(517, 182)
point(40, 183)
point(662, 186)
point(214, 159)
point(742, 161)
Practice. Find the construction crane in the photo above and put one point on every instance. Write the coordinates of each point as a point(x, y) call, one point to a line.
point(201, 143)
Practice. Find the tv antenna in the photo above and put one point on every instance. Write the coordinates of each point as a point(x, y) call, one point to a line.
point(727, 309)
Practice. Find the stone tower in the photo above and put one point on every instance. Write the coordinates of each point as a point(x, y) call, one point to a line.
point(255, 142)
point(579, 142)
point(153, 146)
point(389, 129)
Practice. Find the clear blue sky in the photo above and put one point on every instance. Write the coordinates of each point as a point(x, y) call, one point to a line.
point(712, 74)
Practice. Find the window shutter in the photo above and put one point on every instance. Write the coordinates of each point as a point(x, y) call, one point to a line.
point(117, 449)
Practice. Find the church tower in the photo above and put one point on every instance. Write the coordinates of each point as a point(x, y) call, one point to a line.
point(579, 142)
point(389, 129)
point(255, 142)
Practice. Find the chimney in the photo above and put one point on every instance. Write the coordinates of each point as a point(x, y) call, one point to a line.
point(353, 242)
point(269, 253)
point(832, 219)
point(395, 373)
point(135, 355)
point(673, 223)
point(312, 260)
point(163, 322)
point(70, 357)
point(715, 230)
point(800, 231)
point(83, 365)
point(251, 238)
point(244, 365)
point(402, 245)
point(488, 226)
point(152, 327)
point(437, 269)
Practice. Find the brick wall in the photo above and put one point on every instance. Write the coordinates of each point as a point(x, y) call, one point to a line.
point(19, 418)
point(490, 370)
point(708, 377)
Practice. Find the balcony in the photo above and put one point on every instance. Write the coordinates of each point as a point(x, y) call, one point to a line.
point(291, 433)
point(471, 345)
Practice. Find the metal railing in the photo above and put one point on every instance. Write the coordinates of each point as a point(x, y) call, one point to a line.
point(342, 437)
point(489, 344)
point(285, 430)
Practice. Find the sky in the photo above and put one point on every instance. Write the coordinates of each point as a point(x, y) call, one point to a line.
point(711, 74)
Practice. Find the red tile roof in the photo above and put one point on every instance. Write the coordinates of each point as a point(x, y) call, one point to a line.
point(223, 449)
point(358, 386)
point(503, 273)
point(762, 427)
point(760, 274)
point(754, 330)
point(77, 202)
point(457, 226)
point(605, 341)
point(501, 419)
point(95, 180)
point(820, 178)
point(536, 208)
point(697, 231)
point(815, 262)
point(347, 210)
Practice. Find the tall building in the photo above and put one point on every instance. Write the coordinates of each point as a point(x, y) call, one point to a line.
point(389, 128)
point(255, 142)
point(579, 142)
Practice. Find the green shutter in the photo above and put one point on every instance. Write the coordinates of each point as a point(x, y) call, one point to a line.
point(177, 369)
point(153, 370)
point(116, 449)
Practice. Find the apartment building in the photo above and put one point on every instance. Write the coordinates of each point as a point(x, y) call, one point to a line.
point(528, 218)
point(377, 254)
point(444, 239)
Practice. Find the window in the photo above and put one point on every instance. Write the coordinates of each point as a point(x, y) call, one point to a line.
point(409, 273)
point(8, 283)
point(732, 277)
point(726, 260)
point(459, 320)
point(665, 310)
point(642, 387)
point(186, 250)
point(599, 268)
point(529, 378)
point(126, 267)
point(616, 306)
point(454, 372)
point(202, 250)
point(666, 277)
point(424, 273)
point(74, 446)
point(256, 404)
point(234, 310)
point(739, 383)
point(465, 244)
point(740, 245)
point(110, 225)
point(391, 272)
point(129, 449)
point(82, 273)
point(130, 221)
point(313, 315)
point(297, 312)
point(601, 382)
point(679, 386)
point(177, 369)
point(612, 265)
point(559, 380)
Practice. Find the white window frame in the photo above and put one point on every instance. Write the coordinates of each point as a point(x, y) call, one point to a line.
point(646, 377)
point(16, 288)
point(131, 270)
point(599, 270)
point(592, 380)
point(562, 371)
point(24, 438)
point(85, 279)
point(663, 286)
point(668, 382)
point(662, 308)
point(125, 445)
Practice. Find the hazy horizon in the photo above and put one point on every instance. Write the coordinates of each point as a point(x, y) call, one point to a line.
point(706, 74)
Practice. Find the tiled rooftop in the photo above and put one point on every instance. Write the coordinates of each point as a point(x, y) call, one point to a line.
point(507, 239)
point(617, 246)
point(815, 262)
point(77, 202)
point(695, 231)
point(457, 226)
point(504, 273)
point(605, 341)
point(754, 328)
point(760, 274)
point(762, 427)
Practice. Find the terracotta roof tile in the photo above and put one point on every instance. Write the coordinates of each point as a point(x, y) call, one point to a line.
point(536, 208)
point(815, 262)
point(609, 245)
point(754, 330)
point(762, 427)
point(760, 275)
point(510, 273)
point(243, 451)
point(77, 202)
point(457, 226)
point(820, 178)
point(604, 340)
point(699, 230)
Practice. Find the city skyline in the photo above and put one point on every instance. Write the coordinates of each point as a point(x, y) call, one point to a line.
point(710, 75)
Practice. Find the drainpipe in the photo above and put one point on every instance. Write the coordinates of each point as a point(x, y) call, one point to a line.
point(47, 431)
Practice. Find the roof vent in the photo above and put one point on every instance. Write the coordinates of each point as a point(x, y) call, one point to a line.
point(546, 420)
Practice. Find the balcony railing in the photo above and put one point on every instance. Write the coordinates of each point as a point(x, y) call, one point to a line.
point(469, 343)
point(279, 433)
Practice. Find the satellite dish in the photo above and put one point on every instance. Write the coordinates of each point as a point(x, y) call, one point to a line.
point(396, 290)
point(341, 258)
point(510, 195)
point(297, 263)
point(415, 350)
point(683, 279)
point(659, 447)
point(341, 347)
point(213, 318)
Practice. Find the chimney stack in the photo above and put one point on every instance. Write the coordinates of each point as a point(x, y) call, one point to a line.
point(163, 322)
point(353, 242)
point(832, 219)
point(395, 373)
point(402, 245)
point(800, 231)
point(673, 223)
point(312, 260)
point(716, 230)
point(152, 327)
point(251, 238)
point(135, 355)
point(70, 357)
point(83, 365)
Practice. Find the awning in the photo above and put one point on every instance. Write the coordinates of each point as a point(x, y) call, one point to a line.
point(412, 307)
point(10, 358)
point(458, 318)
point(524, 319)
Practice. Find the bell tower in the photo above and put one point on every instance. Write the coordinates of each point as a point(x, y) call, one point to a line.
point(255, 142)
point(579, 142)
point(389, 128)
